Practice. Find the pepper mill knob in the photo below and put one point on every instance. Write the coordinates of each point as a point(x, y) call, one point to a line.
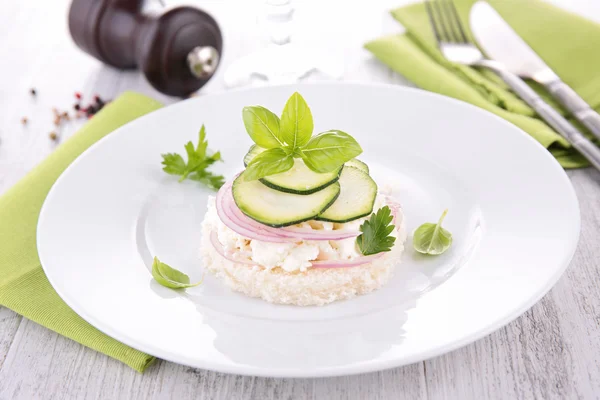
point(203, 61)
point(178, 51)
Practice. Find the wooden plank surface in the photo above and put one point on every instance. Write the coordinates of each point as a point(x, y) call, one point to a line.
point(552, 351)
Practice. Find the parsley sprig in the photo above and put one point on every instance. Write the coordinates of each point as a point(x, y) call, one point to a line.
point(375, 237)
point(199, 159)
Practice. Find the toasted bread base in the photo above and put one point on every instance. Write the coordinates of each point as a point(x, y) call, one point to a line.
point(314, 287)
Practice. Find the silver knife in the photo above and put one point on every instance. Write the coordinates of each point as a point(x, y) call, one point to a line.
point(501, 43)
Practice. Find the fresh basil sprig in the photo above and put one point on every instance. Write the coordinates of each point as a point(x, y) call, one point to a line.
point(431, 238)
point(170, 277)
point(291, 137)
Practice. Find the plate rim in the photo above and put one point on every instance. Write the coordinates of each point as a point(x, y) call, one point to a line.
point(340, 370)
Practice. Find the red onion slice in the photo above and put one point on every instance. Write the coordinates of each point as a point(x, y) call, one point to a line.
point(226, 216)
point(214, 240)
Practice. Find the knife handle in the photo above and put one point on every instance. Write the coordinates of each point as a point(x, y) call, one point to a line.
point(549, 114)
point(576, 105)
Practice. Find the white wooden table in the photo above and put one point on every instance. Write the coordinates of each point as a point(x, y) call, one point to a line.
point(552, 351)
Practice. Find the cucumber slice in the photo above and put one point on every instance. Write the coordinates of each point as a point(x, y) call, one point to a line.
point(277, 209)
point(356, 163)
point(253, 152)
point(298, 180)
point(356, 199)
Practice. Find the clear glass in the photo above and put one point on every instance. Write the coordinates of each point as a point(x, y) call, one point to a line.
point(282, 60)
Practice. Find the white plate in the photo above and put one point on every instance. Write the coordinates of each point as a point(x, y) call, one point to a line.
point(513, 213)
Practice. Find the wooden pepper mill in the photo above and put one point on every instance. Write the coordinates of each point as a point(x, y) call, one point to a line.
point(178, 51)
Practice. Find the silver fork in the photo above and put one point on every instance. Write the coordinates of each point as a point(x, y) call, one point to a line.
point(457, 48)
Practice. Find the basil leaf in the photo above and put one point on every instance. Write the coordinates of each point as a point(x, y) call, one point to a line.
point(262, 126)
point(296, 122)
point(431, 238)
point(170, 277)
point(329, 150)
point(267, 163)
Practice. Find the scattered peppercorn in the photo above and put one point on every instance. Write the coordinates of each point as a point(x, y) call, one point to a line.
point(24, 120)
point(53, 135)
point(77, 107)
point(32, 91)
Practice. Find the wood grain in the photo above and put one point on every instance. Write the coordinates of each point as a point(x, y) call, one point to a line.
point(551, 352)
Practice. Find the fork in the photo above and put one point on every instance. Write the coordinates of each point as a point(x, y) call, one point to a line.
point(456, 47)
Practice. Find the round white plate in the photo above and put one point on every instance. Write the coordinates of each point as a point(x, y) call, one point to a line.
point(512, 210)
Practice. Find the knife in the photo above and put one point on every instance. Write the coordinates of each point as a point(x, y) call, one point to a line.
point(501, 43)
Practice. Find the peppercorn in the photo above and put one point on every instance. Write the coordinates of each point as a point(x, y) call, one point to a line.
point(32, 91)
point(24, 120)
point(53, 135)
point(77, 107)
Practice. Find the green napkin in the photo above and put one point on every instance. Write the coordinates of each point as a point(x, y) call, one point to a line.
point(23, 284)
point(568, 43)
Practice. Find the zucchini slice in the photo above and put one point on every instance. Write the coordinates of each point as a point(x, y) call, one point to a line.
point(253, 152)
point(298, 180)
point(356, 163)
point(278, 209)
point(356, 199)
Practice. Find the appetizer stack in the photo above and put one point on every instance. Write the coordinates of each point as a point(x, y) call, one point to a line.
point(304, 223)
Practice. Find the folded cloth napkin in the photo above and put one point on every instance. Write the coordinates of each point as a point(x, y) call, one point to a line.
point(568, 43)
point(24, 287)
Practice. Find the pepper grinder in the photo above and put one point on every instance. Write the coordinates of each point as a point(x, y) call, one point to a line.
point(177, 51)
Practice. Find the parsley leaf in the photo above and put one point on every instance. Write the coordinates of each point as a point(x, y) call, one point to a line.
point(198, 161)
point(375, 237)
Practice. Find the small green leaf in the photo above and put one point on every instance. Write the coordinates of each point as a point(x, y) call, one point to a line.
point(296, 122)
point(376, 233)
point(173, 164)
point(329, 150)
point(270, 162)
point(198, 162)
point(262, 126)
point(209, 179)
point(431, 238)
point(202, 142)
point(170, 277)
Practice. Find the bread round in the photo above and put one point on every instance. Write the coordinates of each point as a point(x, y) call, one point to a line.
point(315, 286)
